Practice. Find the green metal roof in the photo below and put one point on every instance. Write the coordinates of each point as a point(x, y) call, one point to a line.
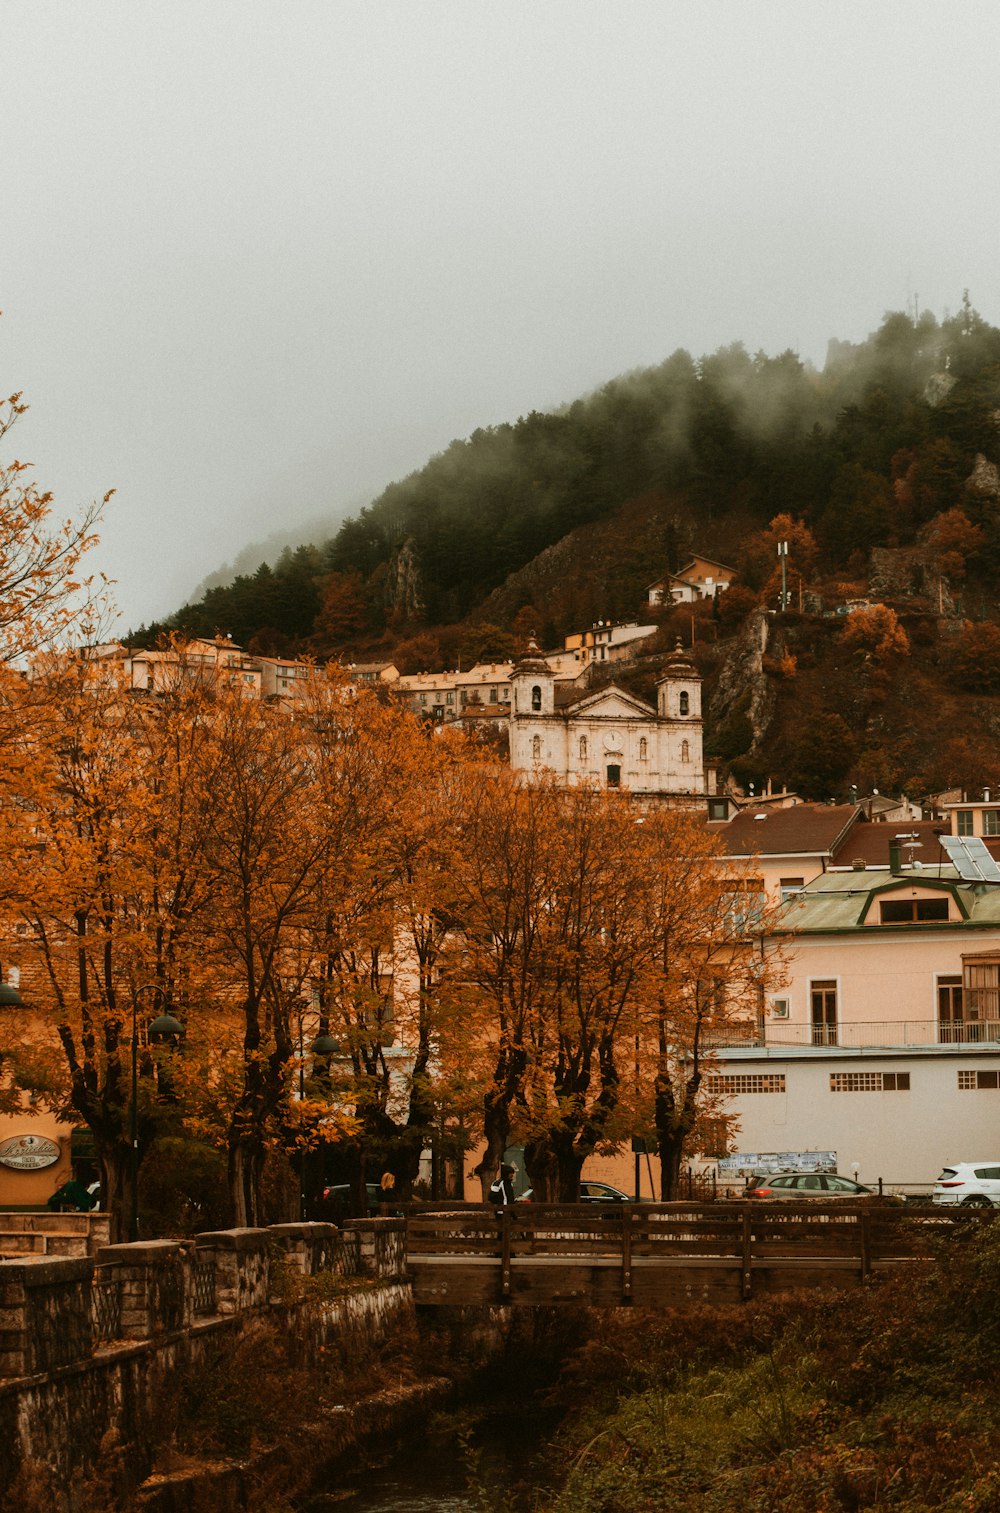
point(838, 901)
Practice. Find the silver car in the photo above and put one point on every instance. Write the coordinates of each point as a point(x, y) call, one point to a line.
point(798, 1185)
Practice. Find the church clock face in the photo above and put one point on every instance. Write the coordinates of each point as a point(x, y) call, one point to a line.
point(612, 743)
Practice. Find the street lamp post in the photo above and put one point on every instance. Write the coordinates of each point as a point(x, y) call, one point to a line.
point(323, 1046)
point(164, 1024)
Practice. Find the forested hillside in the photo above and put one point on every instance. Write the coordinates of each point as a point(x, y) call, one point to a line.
point(880, 471)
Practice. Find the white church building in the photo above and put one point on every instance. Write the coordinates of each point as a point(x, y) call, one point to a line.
point(609, 737)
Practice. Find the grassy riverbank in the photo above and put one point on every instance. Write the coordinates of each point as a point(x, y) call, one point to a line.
point(884, 1399)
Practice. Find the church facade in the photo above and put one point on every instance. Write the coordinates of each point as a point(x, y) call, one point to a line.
point(608, 737)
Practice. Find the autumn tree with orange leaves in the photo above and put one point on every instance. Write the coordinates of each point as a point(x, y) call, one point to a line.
point(109, 873)
point(705, 982)
point(611, 947)
point(381, 929)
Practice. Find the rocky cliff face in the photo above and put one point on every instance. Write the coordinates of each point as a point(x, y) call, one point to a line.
point(743, 691)
point(402, 586)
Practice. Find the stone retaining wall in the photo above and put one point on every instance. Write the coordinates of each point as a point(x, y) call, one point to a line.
point(63, 1388)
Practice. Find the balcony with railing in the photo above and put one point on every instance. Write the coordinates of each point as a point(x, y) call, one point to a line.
point(891, 1034)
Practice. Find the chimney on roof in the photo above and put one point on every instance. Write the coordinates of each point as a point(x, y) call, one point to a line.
point(895, 858)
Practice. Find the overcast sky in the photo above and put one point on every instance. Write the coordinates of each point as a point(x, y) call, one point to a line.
point(259, 257)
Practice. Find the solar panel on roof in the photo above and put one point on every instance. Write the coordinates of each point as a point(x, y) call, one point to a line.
point(971, 859)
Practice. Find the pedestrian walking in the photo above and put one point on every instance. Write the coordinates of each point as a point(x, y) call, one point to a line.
point(502, 1191)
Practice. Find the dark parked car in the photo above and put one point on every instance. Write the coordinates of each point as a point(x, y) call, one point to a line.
point(592, 1192)
point(799, 1185)
point(339, 1198)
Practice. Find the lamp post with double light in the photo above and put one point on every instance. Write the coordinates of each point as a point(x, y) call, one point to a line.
point(323, 1046)
point(163, 1025)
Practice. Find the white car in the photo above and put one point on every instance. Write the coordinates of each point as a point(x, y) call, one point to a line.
point(973, 1184)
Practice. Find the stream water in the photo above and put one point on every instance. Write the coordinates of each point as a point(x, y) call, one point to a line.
point(502, 1466)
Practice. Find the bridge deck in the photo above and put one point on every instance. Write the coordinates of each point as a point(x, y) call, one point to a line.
point(660, 1255)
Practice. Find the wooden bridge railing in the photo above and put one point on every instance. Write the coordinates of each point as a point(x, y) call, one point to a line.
point(660, 1254)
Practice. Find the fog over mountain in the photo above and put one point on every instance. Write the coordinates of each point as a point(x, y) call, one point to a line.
point(264, 259)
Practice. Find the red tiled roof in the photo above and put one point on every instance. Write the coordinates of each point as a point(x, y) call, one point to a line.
point(803, 828)
point(869, 842)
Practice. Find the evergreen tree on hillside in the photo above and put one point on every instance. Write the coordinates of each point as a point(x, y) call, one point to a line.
point(864, 454)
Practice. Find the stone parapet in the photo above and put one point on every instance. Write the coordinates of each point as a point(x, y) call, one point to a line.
point(156, 1280)
point(73, 1234)
point(307, 1245)
point(383, 1247)
point(45, 1314)
point(242, 1261)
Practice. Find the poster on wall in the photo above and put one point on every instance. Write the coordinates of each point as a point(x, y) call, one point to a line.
point(744, 1163)
point(28, 1153)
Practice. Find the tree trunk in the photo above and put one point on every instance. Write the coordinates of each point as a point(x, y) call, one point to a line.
point(496, 1114)
point(674, 1123)
point(116, 1190)
point(245, 1168)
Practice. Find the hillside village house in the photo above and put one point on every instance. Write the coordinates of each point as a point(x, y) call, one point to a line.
point(485, 689)
point(372, 674)
point(447, 696)
point(606, 642)
point(701, 578)
point(608, 736)
point(159, 670)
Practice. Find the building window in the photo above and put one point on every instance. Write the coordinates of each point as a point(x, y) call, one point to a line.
point(614, 775)
point(869, 1082)
point(980, 995)
point(912, 911)
point(965, 822)
point(643, 748)
point(536, 697)
point(789, 886)
point(991, 821)
point(536, 748)
point(685, 751)
point(949, 1003)
point(972, 1081)
point(717, 809)
point(747, 1082)
point(583, 748)
point(685, 703)
point(449, 698)
point(823, 1010)
point(743, 909)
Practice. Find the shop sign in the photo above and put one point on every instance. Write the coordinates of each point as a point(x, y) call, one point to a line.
point(28, 1153)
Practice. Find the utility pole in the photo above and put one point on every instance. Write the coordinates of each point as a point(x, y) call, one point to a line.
point(783, 559)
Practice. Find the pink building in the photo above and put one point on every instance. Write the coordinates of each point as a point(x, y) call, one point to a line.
point(883, 1043)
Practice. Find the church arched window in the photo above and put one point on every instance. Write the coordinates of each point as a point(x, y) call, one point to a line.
point(685, 703)
point(536, 697)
